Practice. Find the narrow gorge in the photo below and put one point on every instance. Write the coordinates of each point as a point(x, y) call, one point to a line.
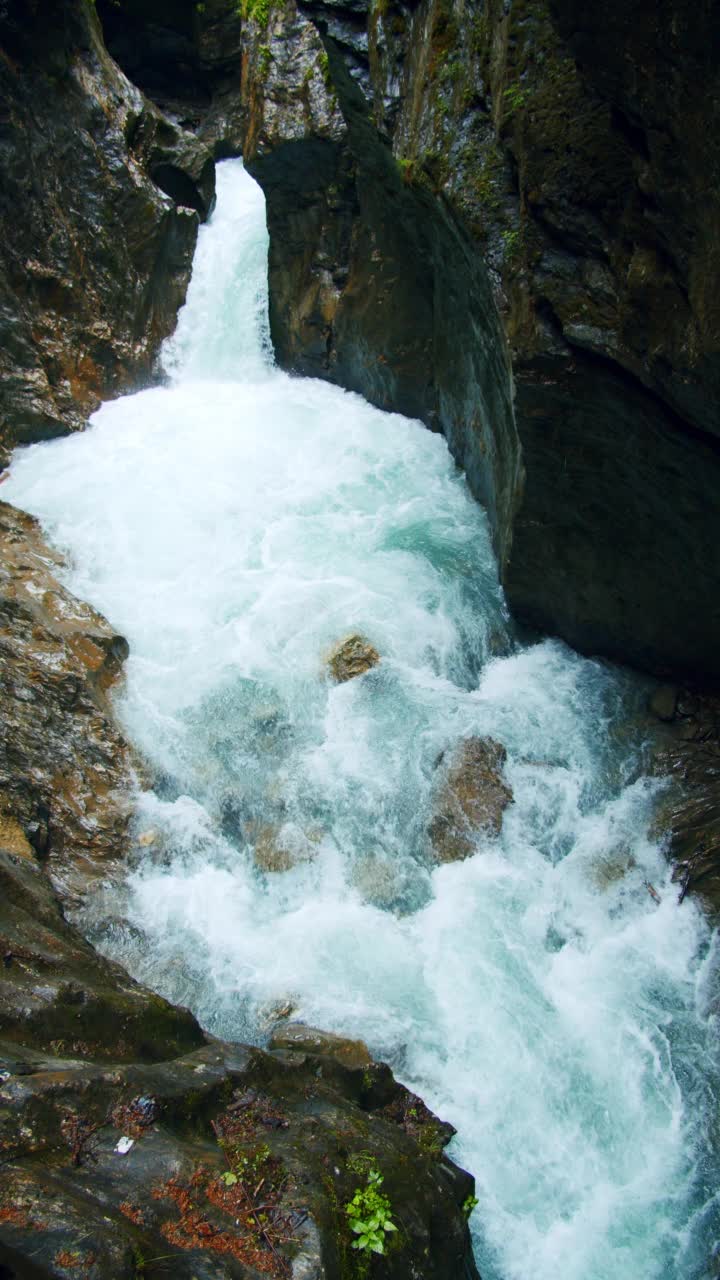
point(331, 761)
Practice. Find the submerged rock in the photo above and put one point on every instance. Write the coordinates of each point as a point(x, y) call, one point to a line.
point(472, 799)
point(280, 848)
point(351, 657)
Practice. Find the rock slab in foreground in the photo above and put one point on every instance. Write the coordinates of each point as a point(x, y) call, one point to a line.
point(240, 1162)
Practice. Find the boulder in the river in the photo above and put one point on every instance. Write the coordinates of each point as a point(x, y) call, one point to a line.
point(377, 879)
point(351, 657)
point(471, 799)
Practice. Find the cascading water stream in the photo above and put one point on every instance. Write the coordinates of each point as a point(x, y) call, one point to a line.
point(234, 524)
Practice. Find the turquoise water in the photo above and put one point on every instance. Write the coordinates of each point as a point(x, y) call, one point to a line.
point(235, 523)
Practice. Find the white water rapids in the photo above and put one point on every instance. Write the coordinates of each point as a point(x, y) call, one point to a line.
point(234, 524)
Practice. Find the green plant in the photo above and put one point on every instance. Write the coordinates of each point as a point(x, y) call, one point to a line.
point(258, 11)
point(265, 57)
point(469, 1203)
point(515, 98)
point(512, 242)
point(369, 1214)
point(324, 65)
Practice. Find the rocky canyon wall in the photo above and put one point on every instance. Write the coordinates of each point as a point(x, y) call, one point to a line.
point(453, 188)
point(99, 206)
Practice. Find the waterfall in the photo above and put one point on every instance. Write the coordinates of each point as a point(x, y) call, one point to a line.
point(234, 524)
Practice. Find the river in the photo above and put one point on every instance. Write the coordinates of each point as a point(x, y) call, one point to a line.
point(234, 523)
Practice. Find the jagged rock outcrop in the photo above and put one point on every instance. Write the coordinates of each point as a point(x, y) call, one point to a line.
point(240, 1162)
point(99, 206)
point(409, 150)
point(65, 770)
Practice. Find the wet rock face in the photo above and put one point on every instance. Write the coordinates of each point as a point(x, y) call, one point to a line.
point(65, 788)
point(689, 813)
point(65, 770)
point(57, 995)
point(611, 120)
point(99, 207)
point(216, 1142)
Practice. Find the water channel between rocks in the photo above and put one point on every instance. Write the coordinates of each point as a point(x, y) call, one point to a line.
point(234, 524)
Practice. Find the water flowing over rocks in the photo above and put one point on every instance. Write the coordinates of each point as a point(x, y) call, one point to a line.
point(454, 193)
point(114, 1108)
point(410, 153)
point(496, 219)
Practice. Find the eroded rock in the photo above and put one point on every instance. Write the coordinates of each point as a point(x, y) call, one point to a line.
point(65, 770)
point(472, 799)
point(349, 1053)
point(99, 206)
point(300, 1131)
point(351, 657)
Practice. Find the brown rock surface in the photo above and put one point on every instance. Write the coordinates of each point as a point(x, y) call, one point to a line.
point(351, 657)
point(471, 799)
point(65, 770)
point(99, 205)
